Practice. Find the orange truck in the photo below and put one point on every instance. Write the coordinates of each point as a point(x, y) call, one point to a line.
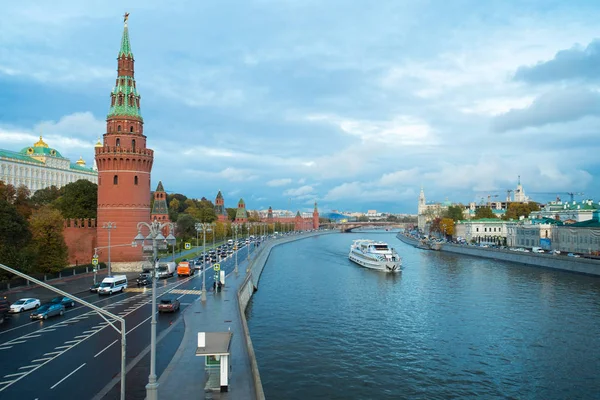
point(184, 268)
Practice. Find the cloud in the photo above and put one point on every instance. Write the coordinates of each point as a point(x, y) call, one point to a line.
point(229, 174)
point(279, 182)
point(576, 63)
point(552, 107)
point(299, 192)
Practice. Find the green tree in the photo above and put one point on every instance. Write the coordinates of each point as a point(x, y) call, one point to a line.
point(253, 216)
point(7, 192)
point(45, 196)
point(484, 212)
point(173, 209)
point(47, 238)
point(455, 213)
point(15, 236)
point(363, 218)
point(231, 213)
point(391, 218)
point(207, 211)
point(185, 226)
point(22, 201)
point(78, 200)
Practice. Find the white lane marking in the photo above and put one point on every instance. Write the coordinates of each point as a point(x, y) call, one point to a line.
point(15, 342)
point(47, 330)
point(5, 382)
point(52, 353)
point(89, 331)
point(42, 359)
point(58, 383)
point(17, 374)
point(180, 296)
point(70, 341)
point(30, 336)
point(134, 328)
point(81, 336)
point(5, 347)
point(28, 366)
point(106, 348)
point(61, 347)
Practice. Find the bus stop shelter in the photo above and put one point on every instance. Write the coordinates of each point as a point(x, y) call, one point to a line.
point(215, 347)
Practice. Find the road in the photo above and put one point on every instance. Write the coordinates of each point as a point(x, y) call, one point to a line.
point(78, 354)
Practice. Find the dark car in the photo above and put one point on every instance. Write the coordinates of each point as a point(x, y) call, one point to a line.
point(4, 309)
point(65, 301)
point(94, 287)
point(48, 310)
point(144, 280)
point(168, 304)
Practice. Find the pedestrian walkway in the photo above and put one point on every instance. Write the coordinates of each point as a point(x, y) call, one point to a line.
point(185, 376)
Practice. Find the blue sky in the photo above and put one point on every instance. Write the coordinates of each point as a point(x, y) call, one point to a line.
point(354, 104)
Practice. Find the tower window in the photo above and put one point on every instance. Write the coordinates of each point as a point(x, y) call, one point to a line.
point(118, 128)
point(133, 142)
point(131, 128)
point(135, 180)
point(116, 180)
point(118, 143)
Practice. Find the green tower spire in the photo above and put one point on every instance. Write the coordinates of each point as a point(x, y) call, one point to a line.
point(125, 46)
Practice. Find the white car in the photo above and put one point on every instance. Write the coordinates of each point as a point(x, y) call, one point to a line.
point(24, 305)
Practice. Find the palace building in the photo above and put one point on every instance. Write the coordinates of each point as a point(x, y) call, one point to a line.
point(39, 166)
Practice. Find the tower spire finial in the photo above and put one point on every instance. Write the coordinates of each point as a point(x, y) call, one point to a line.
point(125, 18)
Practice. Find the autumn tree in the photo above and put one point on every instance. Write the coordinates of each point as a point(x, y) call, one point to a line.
point(363, 218)
point(46, 226)
point(447, 226)
point(15, 237)
point(173, 209)
point(253, 216)
point(78, 199)
point(22, 201)
point(517, 210)
point(7, 192)
point(435, 225)
point(484, 212)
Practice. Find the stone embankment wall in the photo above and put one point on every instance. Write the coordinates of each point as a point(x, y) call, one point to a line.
point(559, 262)
point(250, 285)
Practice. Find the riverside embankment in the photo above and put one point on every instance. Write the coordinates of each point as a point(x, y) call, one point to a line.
point(558, 262)
point(250, 285)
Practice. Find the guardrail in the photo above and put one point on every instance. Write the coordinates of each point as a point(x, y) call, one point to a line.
point(67, 272)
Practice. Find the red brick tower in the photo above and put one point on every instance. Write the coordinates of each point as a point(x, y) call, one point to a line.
point(160, 209)
point(315, 221)
point(124, 164)
point(241, 216)
point(220, 210)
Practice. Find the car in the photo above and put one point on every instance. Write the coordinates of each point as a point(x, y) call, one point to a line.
point(24, 305)
point(48, 310)
point(94, 287)
point(168, 304)
point(4, 309)
point(63, 300)
point(144, 280)
point(573, 255)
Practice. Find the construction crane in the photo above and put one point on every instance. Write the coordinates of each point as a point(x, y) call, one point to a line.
point(508, 192)
point(489, 196)
point(571, 194)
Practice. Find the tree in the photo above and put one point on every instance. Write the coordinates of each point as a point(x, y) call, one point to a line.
point(207, 211)
point(231, 212)
point(78, 200)
point(47, 238)
point(173, 209)
point(253, 216)
point(7, 192)
point(45, 196)
point(455, 213)
point(363, 218)
point(22, 201)
point(447, 226)
point(185, 226)
point(517, 210)
point(484, 212)
point(435, 225)
point(391, 218)
point(14, 237)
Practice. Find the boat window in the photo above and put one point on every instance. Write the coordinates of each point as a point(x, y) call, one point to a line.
point(381, 247)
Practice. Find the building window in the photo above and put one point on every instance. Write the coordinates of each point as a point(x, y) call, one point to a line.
point(476, 229)
point(133, 143)
point(135, 180)
point(131, 128)
point(118, 128)
point(118, 140)
point(116, 180)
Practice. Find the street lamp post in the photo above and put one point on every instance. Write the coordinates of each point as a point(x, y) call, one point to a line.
point(109, 226)
point(204, 227)
point(236, 246)
point(155, 235)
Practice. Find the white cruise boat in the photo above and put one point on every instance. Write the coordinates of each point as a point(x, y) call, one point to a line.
point(375, 255)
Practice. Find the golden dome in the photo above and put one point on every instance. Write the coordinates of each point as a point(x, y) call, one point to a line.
point(40, 143)
point(81, 161)
point(98, 143)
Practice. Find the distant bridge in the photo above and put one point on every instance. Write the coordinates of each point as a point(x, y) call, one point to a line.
point(349, 226)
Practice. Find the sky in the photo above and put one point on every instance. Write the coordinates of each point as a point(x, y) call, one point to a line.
point(353, 104)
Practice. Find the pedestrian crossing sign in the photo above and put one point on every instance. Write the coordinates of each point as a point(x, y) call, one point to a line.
point(188, 246)
point(217, 267)
point(95, 261)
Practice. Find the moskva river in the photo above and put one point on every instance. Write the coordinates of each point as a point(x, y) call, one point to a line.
point(447, 327)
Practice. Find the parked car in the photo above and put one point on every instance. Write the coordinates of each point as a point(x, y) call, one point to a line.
point(168, 304)
point(24, 305)
point(48, 310)
point(63, 300)
point(94, 287)
point(4, 309)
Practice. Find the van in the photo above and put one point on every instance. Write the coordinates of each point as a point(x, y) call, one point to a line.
point(230, 242)
point(185, 269)
point(537, 250)
point(166, 269)
point(112, 284)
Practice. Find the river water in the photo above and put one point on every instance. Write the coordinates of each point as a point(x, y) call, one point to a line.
point(447, 327)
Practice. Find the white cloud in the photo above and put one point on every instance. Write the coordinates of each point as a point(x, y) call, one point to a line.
point(401, 177)
point(279, 182)
point(301, 191)
point(229, 174)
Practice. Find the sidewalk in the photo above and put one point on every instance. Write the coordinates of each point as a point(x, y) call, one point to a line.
point(74, 285)
point(185, 376)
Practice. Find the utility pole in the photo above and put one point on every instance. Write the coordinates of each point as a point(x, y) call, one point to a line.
point(109, 226)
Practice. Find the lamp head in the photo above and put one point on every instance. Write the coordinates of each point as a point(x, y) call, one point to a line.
point(139, 239)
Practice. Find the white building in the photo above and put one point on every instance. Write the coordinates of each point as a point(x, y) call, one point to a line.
point(485, 230)
point(40, 166)
point(568, 211)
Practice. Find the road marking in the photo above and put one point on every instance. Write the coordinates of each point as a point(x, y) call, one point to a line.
point(28, 366)
point(80, 336)
point(62, 347)
point(16, 341)
point(106, 348)
point(131, 330)
point(30, 336)
point(5, 382)
point(47, 330)
point(17, 374)
point(58, 383)
point(70, 341)
point(5, 347)
point(180, 296)
point(42, 359)
point(52, 353)
point(89, 331)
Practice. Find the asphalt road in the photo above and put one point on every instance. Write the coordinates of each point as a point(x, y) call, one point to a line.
point(76, 356)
